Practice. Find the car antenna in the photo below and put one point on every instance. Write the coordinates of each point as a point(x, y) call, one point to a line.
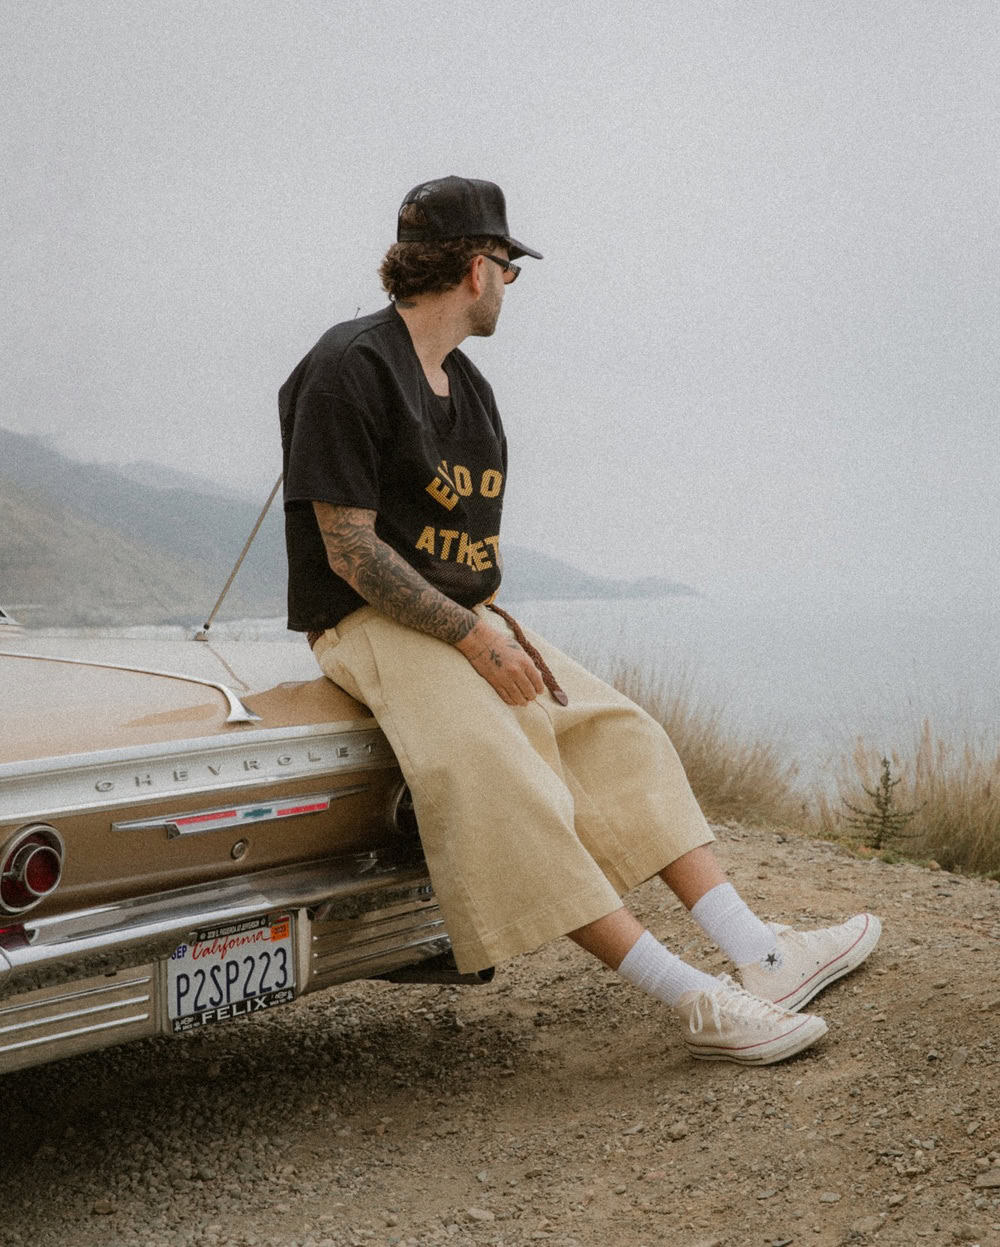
point(203, 634)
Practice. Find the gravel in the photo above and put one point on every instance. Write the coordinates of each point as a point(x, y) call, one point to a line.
point(554, 1106)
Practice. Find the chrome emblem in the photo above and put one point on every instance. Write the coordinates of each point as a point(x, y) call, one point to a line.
point(195, 822)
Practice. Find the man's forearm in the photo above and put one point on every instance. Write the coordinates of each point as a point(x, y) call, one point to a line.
point(386, 581)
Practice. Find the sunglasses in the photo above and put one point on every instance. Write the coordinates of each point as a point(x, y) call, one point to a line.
point(510, 271)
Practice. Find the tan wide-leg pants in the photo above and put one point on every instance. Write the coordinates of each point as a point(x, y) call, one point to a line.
point(534, 819)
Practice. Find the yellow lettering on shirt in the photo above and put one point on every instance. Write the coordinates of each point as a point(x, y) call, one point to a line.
point(440, 492)
point(463, 480)
point(472, 553)
point(464, 551)
point(460, 547)
point(491, 483)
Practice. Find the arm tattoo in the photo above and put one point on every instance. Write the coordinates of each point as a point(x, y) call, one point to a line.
point(384, 579)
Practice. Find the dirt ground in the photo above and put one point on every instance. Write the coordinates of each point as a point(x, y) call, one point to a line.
point(555, 1105)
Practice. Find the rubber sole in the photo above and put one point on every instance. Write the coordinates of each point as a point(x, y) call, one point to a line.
point(847, 961)
point(765, 1052)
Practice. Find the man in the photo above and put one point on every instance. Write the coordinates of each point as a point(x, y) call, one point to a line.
point(542, 795)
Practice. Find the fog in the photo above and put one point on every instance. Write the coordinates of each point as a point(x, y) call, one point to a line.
point(760, 354)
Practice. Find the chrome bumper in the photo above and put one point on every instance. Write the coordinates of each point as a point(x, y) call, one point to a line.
point(97, 977)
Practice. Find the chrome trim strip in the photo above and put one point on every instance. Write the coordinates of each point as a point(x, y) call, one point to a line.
point(114, 937)
point(25, 1005)
point(238, 713)
point(198, 822)
point(78, 783)
point(404, 952)
point(78, 1017)
point(73, 1013)
point(114, 1024)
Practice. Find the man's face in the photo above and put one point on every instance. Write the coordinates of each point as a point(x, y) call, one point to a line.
point(484, 313)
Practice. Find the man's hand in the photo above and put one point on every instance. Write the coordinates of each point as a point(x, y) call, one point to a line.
point(502, 663)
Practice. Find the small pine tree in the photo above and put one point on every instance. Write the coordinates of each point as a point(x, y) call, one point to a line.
point(883, 823)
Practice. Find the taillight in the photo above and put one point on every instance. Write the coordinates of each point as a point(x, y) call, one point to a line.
point(13, 937)
point(31, 866)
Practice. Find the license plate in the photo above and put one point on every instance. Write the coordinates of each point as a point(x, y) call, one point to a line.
point(231, 971)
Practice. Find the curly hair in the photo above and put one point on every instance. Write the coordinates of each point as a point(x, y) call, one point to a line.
point(412, 268)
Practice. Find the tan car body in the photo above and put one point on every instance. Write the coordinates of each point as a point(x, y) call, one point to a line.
point(194, 792)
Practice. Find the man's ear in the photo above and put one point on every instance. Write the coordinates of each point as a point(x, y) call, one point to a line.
point(476, 274)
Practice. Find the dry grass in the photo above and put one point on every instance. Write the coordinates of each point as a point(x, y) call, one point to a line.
point(953, 789)
point(732, 776)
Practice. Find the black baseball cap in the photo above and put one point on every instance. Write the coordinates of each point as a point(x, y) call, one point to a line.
point(457, 208)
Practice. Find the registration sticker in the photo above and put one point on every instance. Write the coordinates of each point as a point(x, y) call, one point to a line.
point(231, 971)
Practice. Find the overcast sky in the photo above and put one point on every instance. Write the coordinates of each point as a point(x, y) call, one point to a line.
point(761, 349)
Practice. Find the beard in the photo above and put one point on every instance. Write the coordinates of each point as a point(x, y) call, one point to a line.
point(484, 313)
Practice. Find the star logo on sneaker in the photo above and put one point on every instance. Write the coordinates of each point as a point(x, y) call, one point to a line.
point(802, 963)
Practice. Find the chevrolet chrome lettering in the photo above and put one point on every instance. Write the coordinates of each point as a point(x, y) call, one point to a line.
point(102, 779)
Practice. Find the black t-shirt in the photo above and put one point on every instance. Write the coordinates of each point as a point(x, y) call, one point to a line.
point(361, 427)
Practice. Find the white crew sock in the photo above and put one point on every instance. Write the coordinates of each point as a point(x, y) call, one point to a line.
point(725, 918)
point(655, 969)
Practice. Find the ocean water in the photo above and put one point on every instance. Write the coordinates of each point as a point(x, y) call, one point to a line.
point(814, 679)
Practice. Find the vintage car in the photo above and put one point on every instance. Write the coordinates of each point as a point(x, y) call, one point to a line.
point(190, 833)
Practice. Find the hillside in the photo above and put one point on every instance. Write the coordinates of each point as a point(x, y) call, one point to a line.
point(84, 543)
point(57, 567)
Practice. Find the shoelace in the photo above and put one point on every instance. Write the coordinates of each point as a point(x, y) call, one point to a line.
point(740, 1005)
